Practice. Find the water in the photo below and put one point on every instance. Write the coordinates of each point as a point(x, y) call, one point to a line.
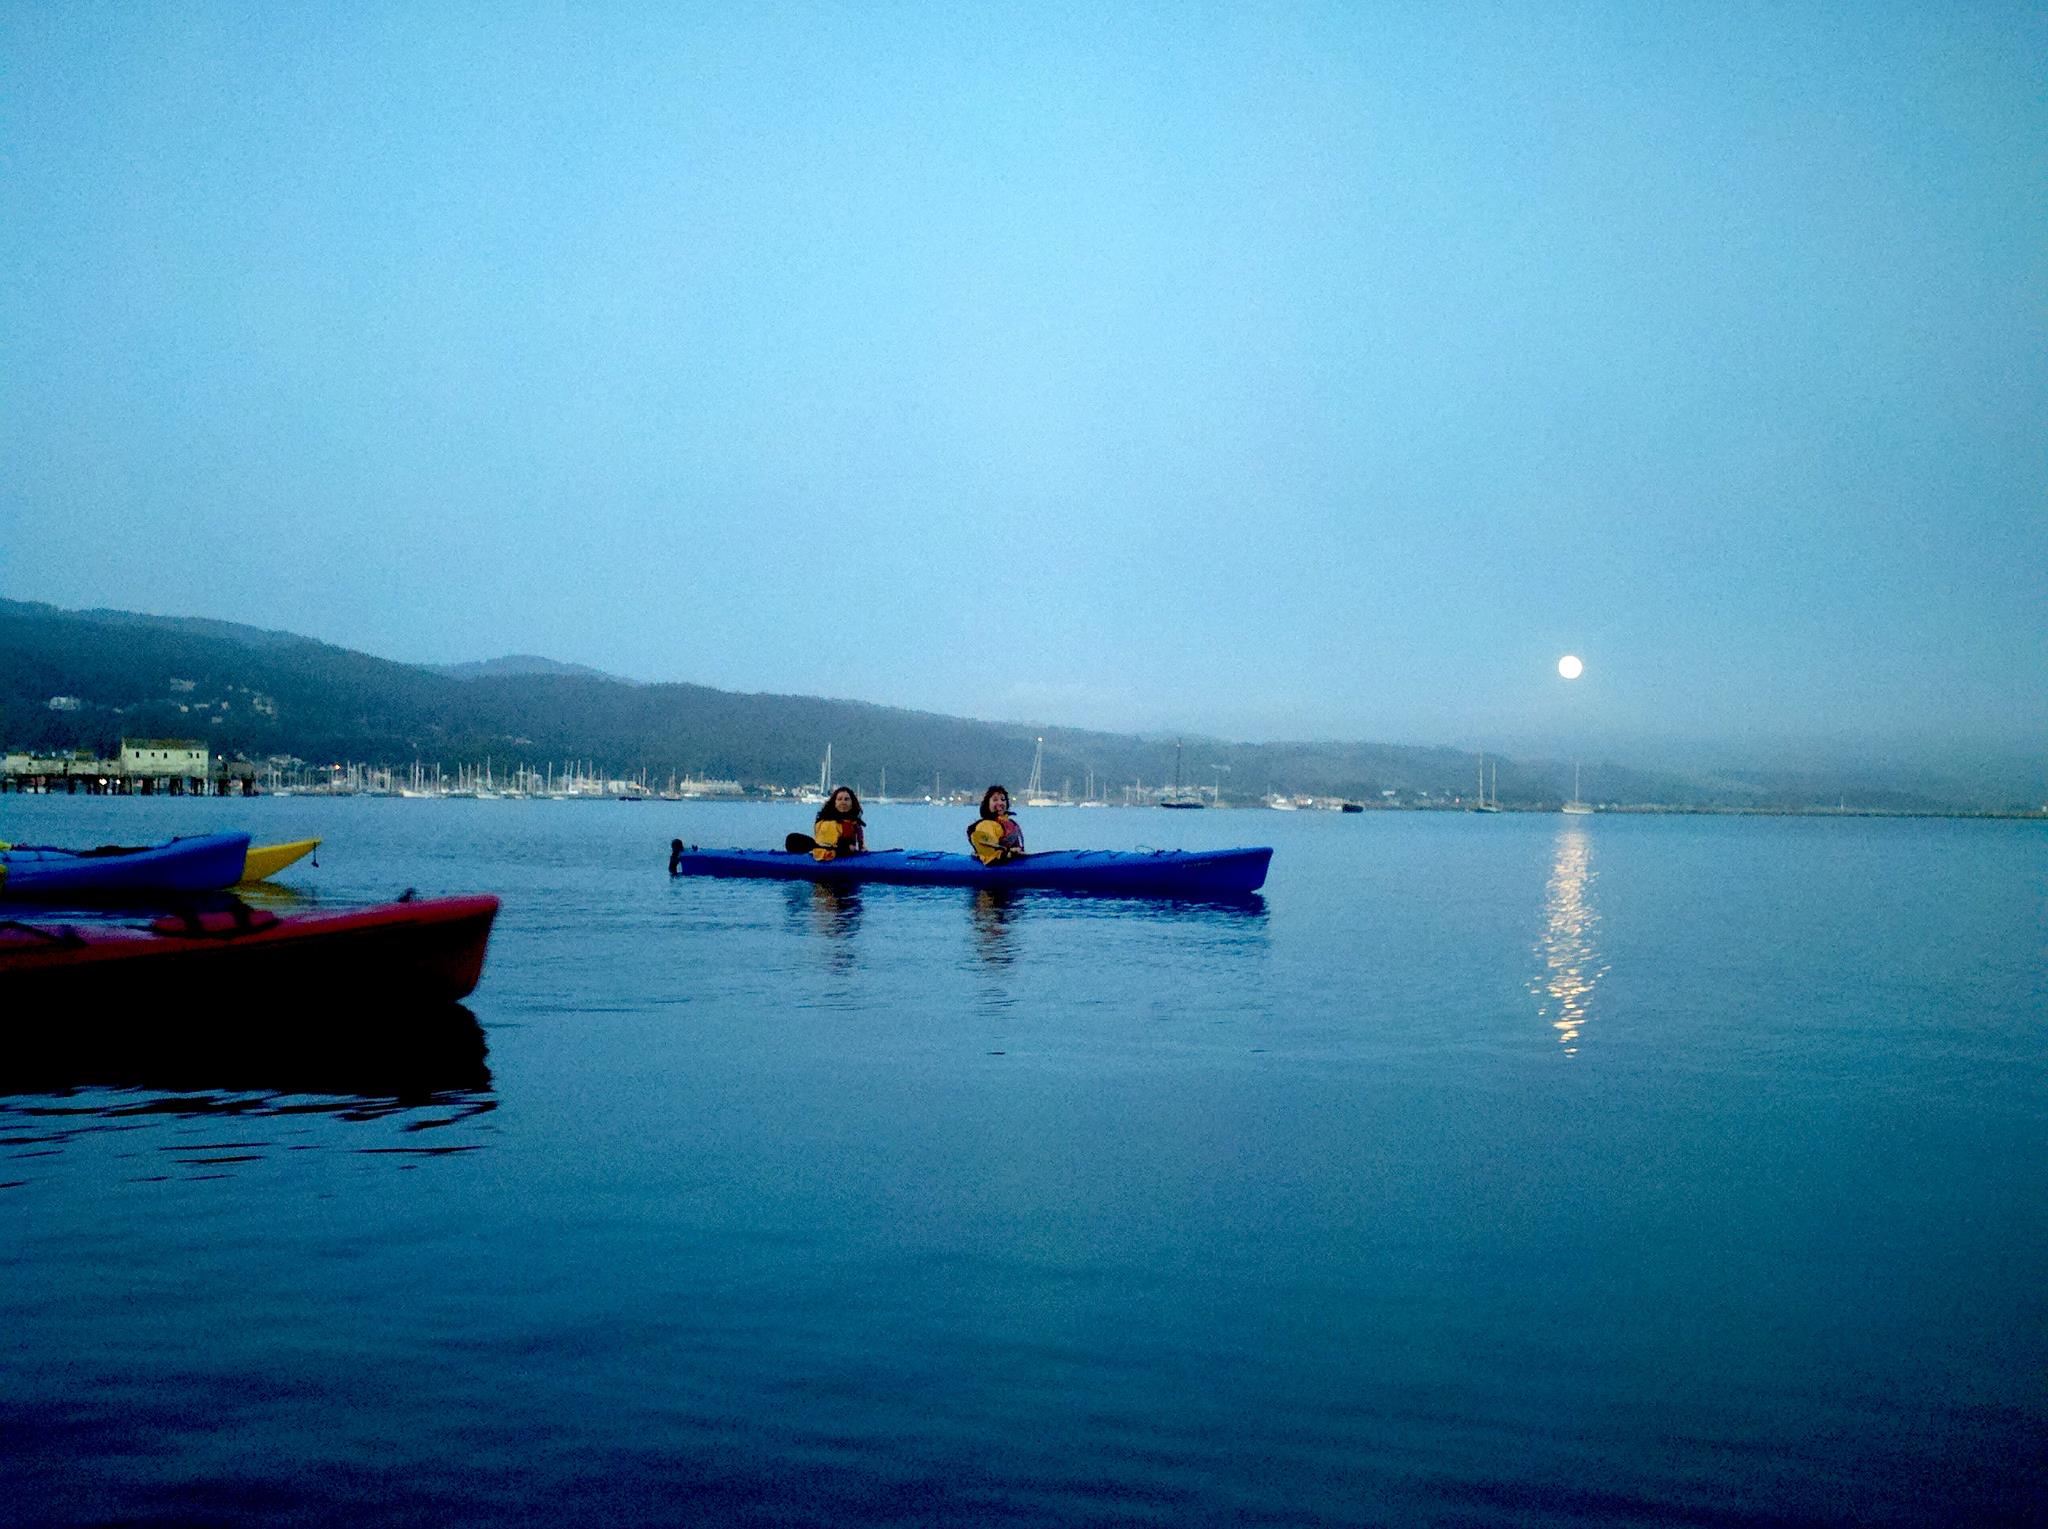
point(1518, 1170)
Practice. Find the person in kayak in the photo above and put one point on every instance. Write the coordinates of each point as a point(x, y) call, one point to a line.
point(995, 836)
point(840, 829)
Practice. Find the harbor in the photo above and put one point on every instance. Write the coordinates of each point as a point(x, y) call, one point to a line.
point(1076, 767)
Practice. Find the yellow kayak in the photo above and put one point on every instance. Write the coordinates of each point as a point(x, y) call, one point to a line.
point(266, 860)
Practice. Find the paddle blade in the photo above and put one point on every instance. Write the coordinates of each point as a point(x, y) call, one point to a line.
point(799, 844)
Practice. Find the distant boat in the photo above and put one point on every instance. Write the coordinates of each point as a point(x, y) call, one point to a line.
point(1034, 788)
point(1352, 807)
point(1179, 797)
point(1576, 807)
point(1483, 804)
point(817, 798)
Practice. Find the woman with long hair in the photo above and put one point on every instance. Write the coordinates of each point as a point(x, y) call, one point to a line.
point(840, 829)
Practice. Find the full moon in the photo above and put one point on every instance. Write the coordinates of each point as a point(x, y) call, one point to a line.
point(1570, 667)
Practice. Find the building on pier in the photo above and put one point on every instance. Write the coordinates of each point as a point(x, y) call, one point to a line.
point(179, 758)
point(146, 767)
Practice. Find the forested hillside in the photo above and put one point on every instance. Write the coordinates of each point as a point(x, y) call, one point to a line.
point(258, 693)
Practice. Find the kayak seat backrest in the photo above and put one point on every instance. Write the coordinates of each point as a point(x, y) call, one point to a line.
point(214, 926)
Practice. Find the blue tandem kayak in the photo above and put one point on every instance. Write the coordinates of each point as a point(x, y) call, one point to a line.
point(202, 864)
point(1135, 873)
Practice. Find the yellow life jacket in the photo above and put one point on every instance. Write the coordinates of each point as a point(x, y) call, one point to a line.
point(836, 837)
point(995, 840)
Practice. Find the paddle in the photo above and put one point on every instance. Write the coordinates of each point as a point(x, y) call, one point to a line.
point(803, 844)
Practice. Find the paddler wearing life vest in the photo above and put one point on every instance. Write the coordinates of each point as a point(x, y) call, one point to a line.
point(840, 830)
point(995, 836)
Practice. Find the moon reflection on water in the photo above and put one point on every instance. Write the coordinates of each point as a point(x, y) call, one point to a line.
point(1570, 957)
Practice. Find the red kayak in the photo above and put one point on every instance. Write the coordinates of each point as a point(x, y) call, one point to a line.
point(425, 952)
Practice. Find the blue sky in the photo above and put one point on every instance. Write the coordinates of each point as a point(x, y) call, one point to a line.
point(1280, 371)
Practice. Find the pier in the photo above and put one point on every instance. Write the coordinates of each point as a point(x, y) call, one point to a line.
point(146, 767)
point(238, 779)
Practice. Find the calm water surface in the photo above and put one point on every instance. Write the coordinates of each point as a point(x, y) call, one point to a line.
point(1520, 1170)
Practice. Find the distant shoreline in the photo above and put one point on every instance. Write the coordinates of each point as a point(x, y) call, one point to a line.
point(277, 710)
point(1652, 809)
point(1649, 809)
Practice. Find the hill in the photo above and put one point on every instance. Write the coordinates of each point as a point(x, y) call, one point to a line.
point(261, 693)
point(521, 663)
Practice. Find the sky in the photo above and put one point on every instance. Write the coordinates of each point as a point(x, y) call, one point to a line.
point(1276, 371)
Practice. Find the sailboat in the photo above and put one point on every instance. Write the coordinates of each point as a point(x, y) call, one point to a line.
point(1034, 789)
point(1576, 807)
point(1484, 805)
point(1179, 798)
point(817, 798)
